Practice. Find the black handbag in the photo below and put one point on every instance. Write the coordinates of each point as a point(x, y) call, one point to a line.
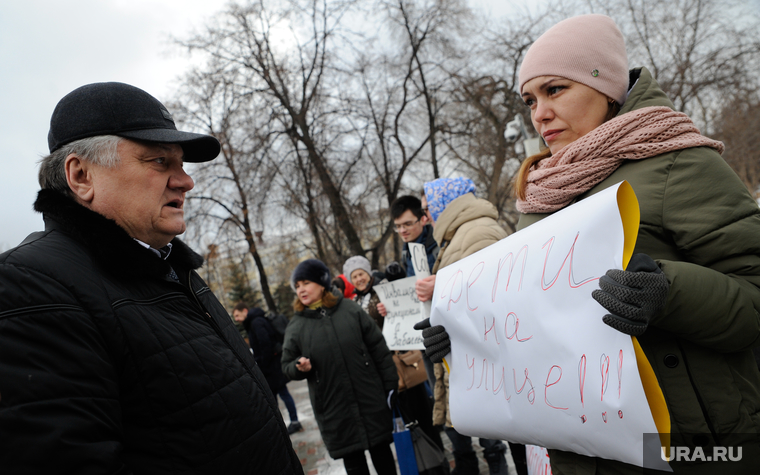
point(430, 458)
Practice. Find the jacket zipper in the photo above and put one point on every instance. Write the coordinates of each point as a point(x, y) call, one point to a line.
point(324, 315)
point(215, 326)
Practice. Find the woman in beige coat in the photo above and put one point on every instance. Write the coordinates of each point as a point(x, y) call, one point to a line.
point(462, 225)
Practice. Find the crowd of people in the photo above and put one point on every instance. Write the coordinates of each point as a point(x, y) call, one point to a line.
point(115, 357)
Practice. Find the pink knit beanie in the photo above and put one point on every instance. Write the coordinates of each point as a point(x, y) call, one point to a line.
point(588, 49)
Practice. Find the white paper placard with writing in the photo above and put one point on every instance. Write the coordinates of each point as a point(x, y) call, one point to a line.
point(421, 271)
point(404, 310)
point(538, 460)
point(419, 260)
point(531, 360)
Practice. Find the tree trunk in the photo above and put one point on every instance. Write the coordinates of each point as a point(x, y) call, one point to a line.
point(262, 273)
point(343, 221)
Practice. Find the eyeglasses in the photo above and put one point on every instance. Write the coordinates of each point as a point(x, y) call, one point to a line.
point(399, 227)
point(425, 209)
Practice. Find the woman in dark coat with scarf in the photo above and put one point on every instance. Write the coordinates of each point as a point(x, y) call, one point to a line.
point(333, 344)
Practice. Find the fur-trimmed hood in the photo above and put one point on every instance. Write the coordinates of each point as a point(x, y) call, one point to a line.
point(108, 242)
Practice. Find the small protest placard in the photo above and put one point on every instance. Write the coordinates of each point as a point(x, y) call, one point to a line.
point(421, 271)
point(404, 310)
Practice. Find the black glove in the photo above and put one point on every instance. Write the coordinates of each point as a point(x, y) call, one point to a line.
point(436, 340)
point(392, 399)
point(633, 296)
point(394, 271)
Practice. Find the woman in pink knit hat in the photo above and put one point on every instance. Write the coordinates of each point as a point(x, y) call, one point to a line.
point(691, 292)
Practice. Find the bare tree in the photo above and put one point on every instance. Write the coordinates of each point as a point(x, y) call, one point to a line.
point(485, 99)
point(250, 38)
point(738, 126)
point(340, 119)
point(700, 51)
point(390, 142)
point(230, 191)
point(429, 26)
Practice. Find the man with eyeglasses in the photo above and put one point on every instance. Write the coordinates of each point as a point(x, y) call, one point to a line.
point(412, 225)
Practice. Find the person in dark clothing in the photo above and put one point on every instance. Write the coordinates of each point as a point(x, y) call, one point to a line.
point(413, 402)
point(333, 344)
point(263, 340)
point(412, 225)
point(115, 357)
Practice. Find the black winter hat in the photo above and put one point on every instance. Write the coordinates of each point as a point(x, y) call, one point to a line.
point(312, 270)
point(114, 108)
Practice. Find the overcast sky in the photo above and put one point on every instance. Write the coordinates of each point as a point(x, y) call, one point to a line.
point(50, 47)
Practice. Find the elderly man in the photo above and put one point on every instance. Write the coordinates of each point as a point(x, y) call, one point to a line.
point(115, 357)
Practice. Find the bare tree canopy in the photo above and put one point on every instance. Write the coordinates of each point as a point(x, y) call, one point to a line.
point(329, 110)
point(700, 51)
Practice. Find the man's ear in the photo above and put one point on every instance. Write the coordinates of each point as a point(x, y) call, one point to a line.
point(80, 178)
point(424, 219)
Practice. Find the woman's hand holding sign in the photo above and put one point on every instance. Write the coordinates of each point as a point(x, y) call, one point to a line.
point(436, 340)
point(632, 296)
point(425, 287)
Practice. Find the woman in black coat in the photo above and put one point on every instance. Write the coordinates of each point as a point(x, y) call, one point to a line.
point(340, 350)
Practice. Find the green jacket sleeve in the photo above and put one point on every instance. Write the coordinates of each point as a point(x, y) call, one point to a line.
point(715, 224)
point(291, 351)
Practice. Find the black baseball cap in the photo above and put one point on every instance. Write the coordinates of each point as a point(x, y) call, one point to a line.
point(114, 108)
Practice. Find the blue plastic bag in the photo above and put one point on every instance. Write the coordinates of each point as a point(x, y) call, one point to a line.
point(402, 439)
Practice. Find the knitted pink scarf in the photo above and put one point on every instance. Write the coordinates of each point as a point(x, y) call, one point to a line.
point(555, 181)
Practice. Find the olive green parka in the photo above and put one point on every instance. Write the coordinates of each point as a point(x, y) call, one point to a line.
point(701, 225)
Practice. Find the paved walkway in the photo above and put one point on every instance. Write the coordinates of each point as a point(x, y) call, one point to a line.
point(313, 453)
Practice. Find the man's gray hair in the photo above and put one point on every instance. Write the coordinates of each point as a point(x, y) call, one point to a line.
point(101, 150)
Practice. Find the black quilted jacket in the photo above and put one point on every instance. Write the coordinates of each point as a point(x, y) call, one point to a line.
point(109, 366)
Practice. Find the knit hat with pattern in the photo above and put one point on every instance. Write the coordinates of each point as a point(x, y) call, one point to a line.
point(588, 49)
point(439, 193)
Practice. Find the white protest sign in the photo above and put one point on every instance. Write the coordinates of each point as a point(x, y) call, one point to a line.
point(421, 270)
point(419, 260)
point(538, 460)
point(531, 360)
point(404, 310)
